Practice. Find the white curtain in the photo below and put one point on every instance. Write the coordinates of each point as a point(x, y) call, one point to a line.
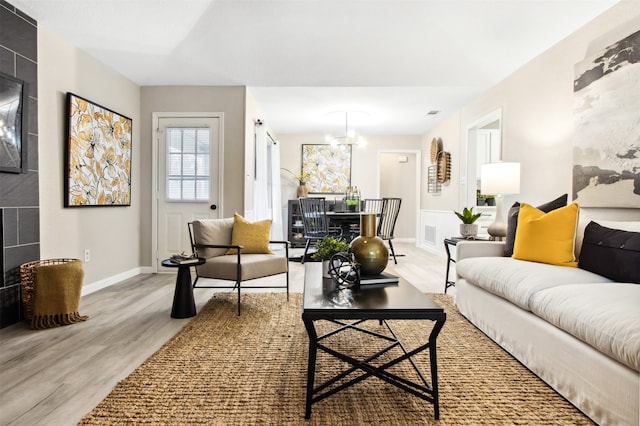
point(277, 228)
point(266, 189)
point(260, 183)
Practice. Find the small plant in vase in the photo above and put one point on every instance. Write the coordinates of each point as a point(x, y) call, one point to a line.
point(301, 178)
point(326, 248)
point(468, 229)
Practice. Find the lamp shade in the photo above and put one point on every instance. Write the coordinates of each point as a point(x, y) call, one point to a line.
point(500, 178)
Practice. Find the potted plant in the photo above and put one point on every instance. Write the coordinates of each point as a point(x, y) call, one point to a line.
point(301, 178)
point(468, 228)
point(326, 248)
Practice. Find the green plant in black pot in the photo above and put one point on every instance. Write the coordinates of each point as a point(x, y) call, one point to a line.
point(468, 229)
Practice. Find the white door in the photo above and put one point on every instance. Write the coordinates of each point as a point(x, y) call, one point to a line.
point(188, 179)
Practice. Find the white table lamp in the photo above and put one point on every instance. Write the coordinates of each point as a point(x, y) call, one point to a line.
point(499, 179)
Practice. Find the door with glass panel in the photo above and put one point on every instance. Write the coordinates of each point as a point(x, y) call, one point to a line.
point(188, 179)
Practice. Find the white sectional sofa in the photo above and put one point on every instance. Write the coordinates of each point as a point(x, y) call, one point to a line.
point(576, 330)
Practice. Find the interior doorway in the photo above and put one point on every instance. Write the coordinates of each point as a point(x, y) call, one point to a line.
point(399, 176)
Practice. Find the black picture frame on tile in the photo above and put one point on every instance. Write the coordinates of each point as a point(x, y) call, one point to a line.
point(13, 126)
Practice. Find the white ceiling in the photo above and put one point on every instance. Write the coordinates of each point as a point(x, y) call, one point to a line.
point(396, 60)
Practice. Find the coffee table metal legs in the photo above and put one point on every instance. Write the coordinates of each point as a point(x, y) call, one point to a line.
point(311, 366)
point(421, 389)
point(184, 305)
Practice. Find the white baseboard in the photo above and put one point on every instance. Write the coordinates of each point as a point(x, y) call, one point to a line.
point(99, 285)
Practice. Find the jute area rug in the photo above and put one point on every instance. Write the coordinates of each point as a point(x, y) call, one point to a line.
point(222, 369)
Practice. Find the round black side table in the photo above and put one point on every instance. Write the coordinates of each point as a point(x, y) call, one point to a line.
point(184, 305)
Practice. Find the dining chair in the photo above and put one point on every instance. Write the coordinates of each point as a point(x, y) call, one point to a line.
point(372, 205)
point(315, 221)
point(387, 221)
point(369, 205)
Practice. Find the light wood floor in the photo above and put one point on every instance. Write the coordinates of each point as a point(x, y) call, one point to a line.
point(56, 376)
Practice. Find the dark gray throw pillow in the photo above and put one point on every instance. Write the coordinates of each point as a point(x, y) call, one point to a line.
point(512, 220)
point(612, 253)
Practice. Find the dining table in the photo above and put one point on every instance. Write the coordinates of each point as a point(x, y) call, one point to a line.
point(347, 221)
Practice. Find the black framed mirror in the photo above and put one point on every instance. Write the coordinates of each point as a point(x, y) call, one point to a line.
point(13, 132)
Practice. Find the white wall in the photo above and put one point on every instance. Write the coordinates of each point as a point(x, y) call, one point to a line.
point(537, 122)
point(400, 180)
point(450, 133)
point(111, 233)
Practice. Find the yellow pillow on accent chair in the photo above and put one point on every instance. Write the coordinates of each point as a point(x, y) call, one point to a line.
point(254, 237)
point(547, 237)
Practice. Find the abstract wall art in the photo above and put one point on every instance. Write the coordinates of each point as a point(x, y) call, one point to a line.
point(328, 166)
point(98, 155)
point(606, 150)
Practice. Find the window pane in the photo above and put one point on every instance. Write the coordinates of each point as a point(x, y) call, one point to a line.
point(188, 164)
point(188, 189)
point(189, 140)
point(202, 165)
point(175, 140)
point(202, 190)
point(174, 189)
point(175, 164)
point(203, 141)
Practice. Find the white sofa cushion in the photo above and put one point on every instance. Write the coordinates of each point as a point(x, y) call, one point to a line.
point(606, 317)
point(517, 280)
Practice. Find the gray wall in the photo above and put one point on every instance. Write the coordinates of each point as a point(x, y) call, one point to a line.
point(229, 100)
point(19, 205)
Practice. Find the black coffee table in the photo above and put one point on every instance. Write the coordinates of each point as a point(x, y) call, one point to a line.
point(399, 301)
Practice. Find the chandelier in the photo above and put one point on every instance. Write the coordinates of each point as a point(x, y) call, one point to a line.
point(349, 137)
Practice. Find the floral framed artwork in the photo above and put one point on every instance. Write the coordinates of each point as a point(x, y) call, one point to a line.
point(98, 155)
point(13, 129)
point(328, 167)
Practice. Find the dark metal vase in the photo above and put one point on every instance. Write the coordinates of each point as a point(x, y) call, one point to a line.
point(370, 251)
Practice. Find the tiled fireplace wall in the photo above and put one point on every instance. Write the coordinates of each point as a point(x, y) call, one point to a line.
point(19, 209)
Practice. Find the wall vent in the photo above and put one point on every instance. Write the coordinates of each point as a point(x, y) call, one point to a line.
point(430, 234)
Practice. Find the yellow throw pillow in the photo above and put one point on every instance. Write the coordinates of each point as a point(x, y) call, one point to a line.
point(547, 237)
point(254, 237)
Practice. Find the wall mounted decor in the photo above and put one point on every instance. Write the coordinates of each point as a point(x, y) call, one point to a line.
point(13, 126)
point(440, 171)
point(98, 155)
point(444, 166)
point(432, 179)
point(436, 148)
point(328, 167)
point(606, 155)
